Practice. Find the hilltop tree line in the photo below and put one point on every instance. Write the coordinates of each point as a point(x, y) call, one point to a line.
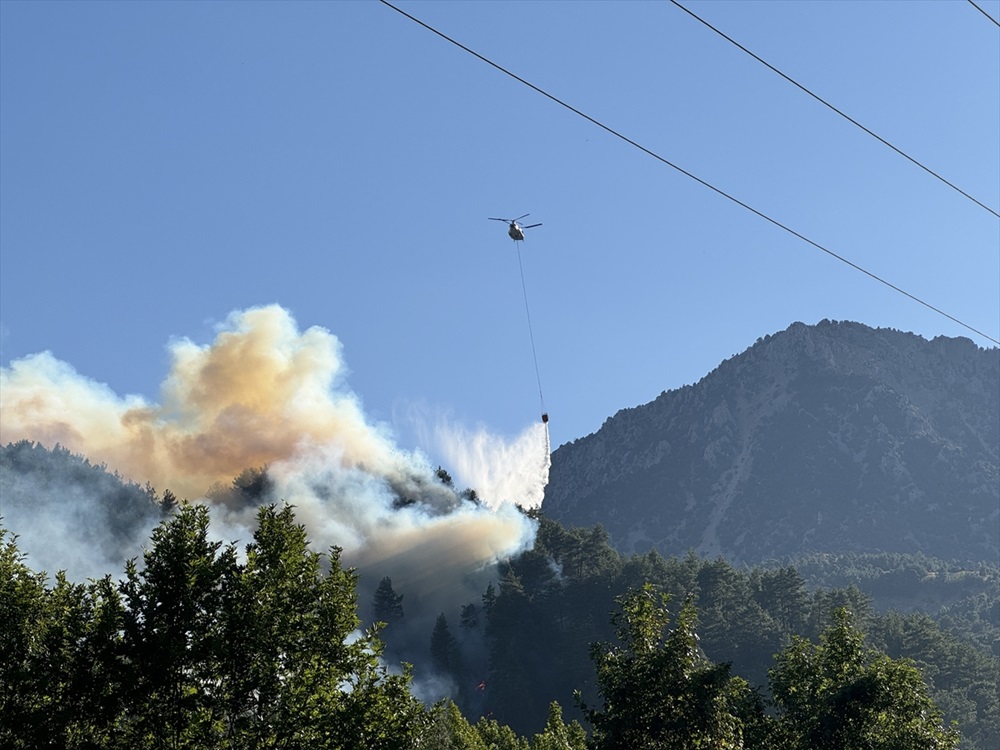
point(207, 646)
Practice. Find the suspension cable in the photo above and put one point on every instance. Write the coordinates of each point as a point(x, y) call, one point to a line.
point(531, 335)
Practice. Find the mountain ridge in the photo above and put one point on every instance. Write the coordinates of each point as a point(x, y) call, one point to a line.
point(819, 438)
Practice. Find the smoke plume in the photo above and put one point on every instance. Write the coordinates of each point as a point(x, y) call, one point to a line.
point(265, 394)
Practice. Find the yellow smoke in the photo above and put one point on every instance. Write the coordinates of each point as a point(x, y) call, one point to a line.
point(257, 394)
point(265, 393)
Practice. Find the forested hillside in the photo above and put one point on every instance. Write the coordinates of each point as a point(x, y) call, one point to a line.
point(504, 658)
point(202, 646)
point(98, 517)
point(550, 604)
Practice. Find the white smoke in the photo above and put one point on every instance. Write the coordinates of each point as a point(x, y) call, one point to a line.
point(64, 527)
point(500, 470)
point(264, 393)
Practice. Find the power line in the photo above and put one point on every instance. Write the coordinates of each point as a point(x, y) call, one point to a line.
point(697, 179)
point(974, 5)
point(830, 106)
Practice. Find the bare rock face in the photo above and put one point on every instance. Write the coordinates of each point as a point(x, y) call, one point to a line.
point(827, 438)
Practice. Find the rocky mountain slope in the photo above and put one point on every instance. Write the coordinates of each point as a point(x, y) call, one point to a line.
point(822, 438)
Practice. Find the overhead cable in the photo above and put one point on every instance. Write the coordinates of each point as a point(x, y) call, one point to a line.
point(976, 6)
point(694, 177)
point(830, 106)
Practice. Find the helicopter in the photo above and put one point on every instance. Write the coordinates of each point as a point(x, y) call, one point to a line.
point(515, 230)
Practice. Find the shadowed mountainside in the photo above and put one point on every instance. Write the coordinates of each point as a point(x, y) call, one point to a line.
point(832, 437)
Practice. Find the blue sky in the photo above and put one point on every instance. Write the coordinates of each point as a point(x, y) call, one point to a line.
point(164, 164)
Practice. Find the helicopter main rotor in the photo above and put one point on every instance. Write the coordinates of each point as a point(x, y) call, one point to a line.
point(510, 221)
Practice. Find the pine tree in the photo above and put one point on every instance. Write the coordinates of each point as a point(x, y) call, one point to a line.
point(387, 605)
point(444, 648)
point(469, 617)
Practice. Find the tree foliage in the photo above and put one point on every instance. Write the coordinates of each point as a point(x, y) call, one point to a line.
point(203, 645)
point(547, 606)
point(840, 695)
point(196, 649)
point(659, 691)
